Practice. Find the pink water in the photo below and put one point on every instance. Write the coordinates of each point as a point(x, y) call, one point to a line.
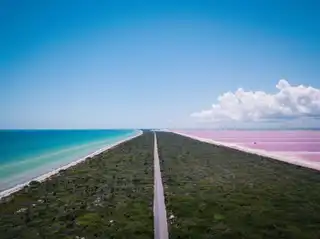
point(271, 140)
point(284, 146)
point(301, 144)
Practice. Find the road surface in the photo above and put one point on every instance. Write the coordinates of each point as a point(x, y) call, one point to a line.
point(159, 208)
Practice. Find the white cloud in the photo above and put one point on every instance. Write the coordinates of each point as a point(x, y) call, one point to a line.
point(290, 102)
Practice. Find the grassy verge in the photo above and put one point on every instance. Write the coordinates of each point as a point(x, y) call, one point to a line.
point(108, 196)
point(215, 192)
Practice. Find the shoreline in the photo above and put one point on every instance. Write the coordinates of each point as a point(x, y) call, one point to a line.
point(45, 176)
point(288, 159)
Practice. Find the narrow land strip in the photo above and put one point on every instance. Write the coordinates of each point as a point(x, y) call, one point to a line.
point(107, 196)
point(159, 208)
point(217, 192)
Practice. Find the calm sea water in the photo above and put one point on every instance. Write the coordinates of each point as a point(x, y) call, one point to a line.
point(25, 154)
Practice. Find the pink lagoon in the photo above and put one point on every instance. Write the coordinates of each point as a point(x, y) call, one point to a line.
point(303, 145)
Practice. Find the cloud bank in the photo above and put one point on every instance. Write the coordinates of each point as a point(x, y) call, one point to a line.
point(290, 102)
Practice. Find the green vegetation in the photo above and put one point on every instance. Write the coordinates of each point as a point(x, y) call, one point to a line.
point(107, 196)
point(211, 192)
point(215, 192)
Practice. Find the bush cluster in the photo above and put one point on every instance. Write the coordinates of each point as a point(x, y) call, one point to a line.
point(107, 196)
point(217, 192)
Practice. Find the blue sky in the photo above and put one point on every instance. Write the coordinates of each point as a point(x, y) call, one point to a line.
point(115, 64)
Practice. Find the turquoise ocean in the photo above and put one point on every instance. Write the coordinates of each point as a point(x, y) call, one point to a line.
point(26, 154)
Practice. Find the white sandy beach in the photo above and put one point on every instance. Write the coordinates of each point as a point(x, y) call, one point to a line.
point(45, 176)
point(288, 159)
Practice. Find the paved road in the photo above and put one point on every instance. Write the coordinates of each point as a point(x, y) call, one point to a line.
point(159, 208)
